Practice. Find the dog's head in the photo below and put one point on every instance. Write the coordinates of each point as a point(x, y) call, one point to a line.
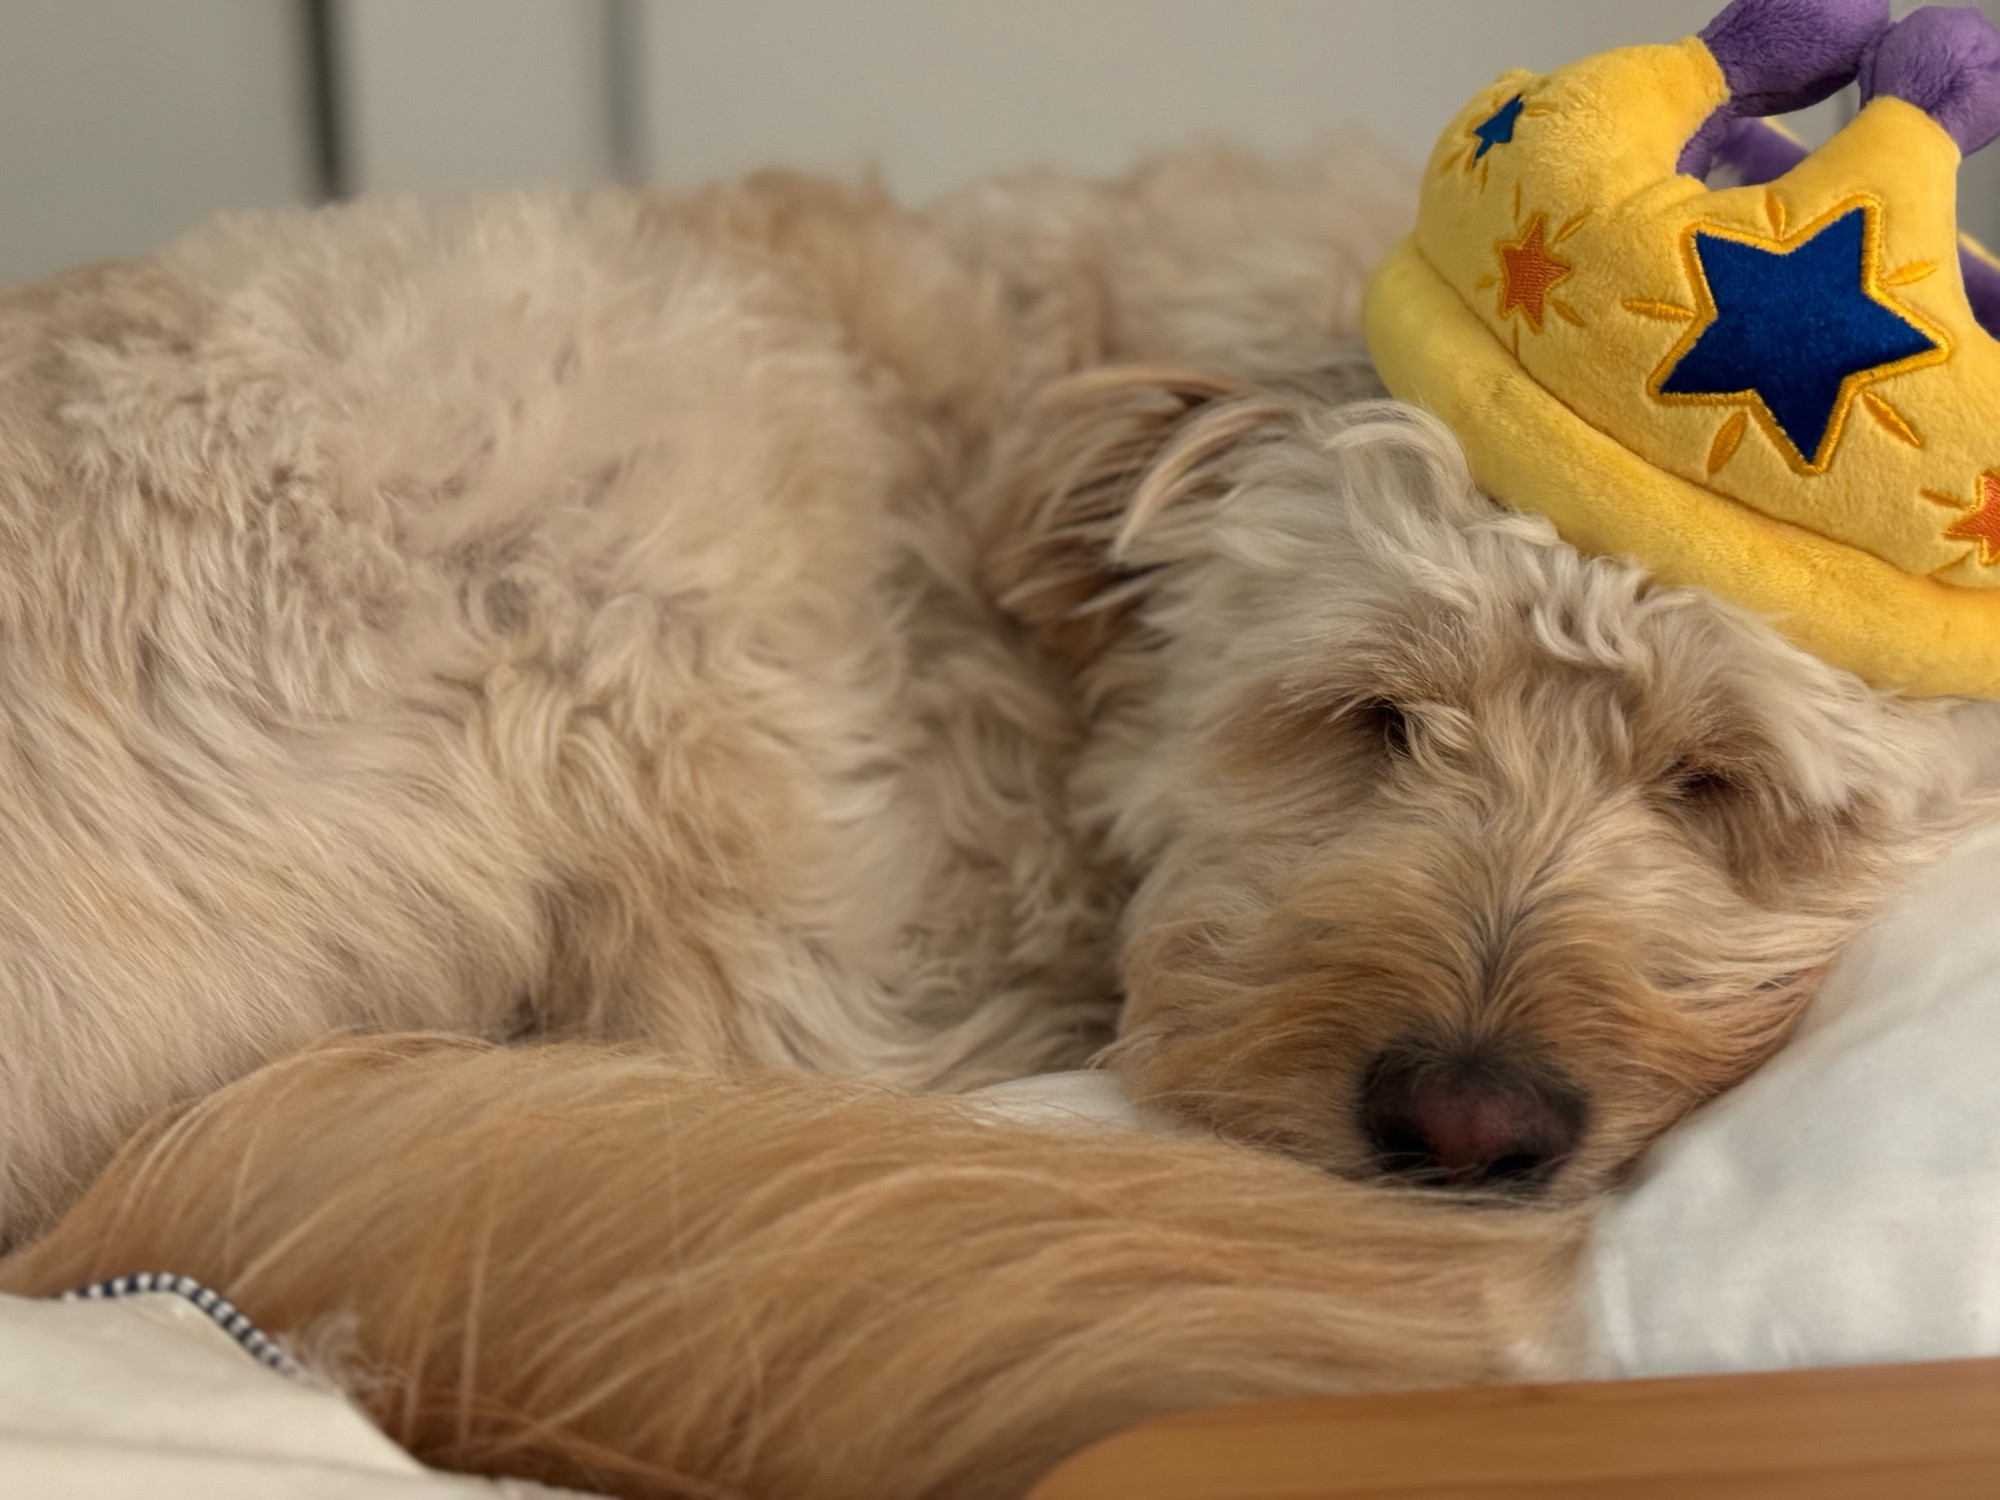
point(1458, 856)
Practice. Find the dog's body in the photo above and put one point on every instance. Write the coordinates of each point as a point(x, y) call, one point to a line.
point(718, 623)
point(566, 617)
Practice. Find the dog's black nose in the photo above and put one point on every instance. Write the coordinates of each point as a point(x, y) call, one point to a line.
point(1473, 1126)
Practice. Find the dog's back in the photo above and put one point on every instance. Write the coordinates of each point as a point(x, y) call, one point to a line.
point(563, 614)
point(498, 620)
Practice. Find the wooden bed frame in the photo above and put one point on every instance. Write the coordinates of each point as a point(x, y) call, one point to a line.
point(1883, 1432)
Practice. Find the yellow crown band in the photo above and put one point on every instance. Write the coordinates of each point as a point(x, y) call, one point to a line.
point(1844, 605)
point(1777, 392)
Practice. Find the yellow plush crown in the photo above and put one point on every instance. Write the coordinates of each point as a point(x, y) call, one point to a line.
point(1777, 392)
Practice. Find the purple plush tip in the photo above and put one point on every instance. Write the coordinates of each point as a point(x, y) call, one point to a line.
point(1946, 61)
point(1782, 55)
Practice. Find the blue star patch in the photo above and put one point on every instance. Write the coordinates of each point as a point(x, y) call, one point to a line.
point(1497, 129)
point(1793, 330)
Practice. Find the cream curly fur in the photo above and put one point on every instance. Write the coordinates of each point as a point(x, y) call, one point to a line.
point(797, 632)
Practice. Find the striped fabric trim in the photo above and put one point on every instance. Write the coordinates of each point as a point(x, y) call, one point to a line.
point(258, 1344)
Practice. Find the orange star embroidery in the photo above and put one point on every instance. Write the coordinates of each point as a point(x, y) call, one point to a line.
point(1981, 524)
point(1529, 271)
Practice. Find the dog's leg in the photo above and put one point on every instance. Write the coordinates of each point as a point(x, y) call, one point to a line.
point(584, 1266)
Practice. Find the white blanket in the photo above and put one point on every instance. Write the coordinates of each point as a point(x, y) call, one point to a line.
point(145, 1398)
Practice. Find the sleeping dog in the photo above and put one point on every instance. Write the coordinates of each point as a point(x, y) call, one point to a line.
point(794, 632)
point(787, 635)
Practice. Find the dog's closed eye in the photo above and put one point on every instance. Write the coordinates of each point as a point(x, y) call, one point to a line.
point(1386, 722)
point(1692, 782)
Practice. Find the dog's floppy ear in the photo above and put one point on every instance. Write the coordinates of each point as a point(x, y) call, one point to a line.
point(1111, 476)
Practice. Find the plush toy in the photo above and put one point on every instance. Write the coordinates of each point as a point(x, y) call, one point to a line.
point(1781, 390)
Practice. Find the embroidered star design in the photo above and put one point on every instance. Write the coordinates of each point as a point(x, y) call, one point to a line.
point(1794, 329)
point(1529, 271)
point(1497, 129)
point(1981, 524)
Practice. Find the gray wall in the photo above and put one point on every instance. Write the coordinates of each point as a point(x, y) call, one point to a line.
point(935, 90)
point(455, 96)
point(122, 121)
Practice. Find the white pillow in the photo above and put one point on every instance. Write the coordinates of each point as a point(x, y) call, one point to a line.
point(1843, 1205)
